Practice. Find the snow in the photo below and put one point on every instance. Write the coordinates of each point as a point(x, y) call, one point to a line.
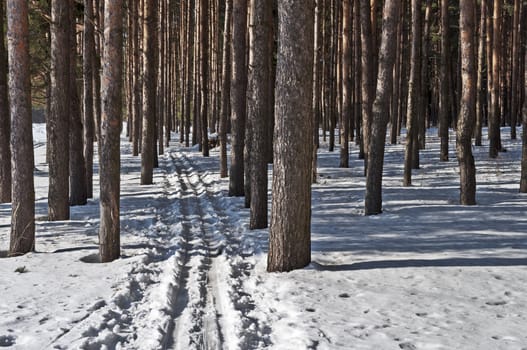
point(426, 274)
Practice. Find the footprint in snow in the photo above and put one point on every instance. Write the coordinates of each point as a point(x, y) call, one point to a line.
point(7, 340)
point(496, 302)
point(407, 346)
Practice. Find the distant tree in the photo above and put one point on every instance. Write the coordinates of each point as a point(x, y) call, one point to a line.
point(204, 38)
point(226, 88)
point(494, 112)
point(381, 108)
point(189, 94)
point(467, 116)
point(289, 236)
point(59, 118)
point(111, 93)
point(444, 105)
point(481, 98)
point(5, 123)
point(149, 91)
point(238, 97)
point(259, 107)
point(23, 194)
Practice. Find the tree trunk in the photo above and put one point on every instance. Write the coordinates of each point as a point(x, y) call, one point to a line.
point(111, 93)
point(515, 68)
point(289, 241)
point(381, 108)
point(259, 107)
point(411, 159)
point(204, 34)
point(494, 115)
point(481, 102)
point(5, 122)
point(444, 109)
point(317, 83)
point(78, 189)
point(468, 102)
point(346, 85)
point(238, 97)
point(88, 74)
point(22, 238)
point(225, 88)
point(149, 91)
point(59, 118)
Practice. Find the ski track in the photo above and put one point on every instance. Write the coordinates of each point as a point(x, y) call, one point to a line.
point(188, 290)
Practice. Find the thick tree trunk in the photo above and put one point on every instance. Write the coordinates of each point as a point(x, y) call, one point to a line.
point(78, 189)
point(411, 159)
point(289, 241)
point(22, 238)
point(59, 118)
point(111, 93)
point(468, 102)
point(226, 88)
point(346, 83)
point(5, 123)
point(259, 107)
point(149, 91)
point(381, 108)
point(238, 97)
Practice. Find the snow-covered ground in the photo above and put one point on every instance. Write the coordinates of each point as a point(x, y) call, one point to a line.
point(426, 274)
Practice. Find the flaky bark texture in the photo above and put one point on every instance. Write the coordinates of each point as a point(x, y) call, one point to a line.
point(259, 107)
point(111, 95)
point(381, 108)
point(225, 88)
point(467, 116)
point(59, 118)
point(23, 195)
point(346, 83)
point(290, 241)
point(5, 123)
point(87, 69)
point(78, 190)
point(238, 97)
point(149, 92)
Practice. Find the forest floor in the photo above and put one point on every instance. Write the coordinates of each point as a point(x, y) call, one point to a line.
point(426, 274)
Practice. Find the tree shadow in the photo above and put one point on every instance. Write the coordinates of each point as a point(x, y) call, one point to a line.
point(415, 263)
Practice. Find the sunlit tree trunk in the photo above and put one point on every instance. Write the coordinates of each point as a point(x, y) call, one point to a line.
point(5, 123)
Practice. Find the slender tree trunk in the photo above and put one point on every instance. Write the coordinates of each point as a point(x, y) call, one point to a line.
point(88, 76)
point(346, 86)
point(468, 101)
point(238, 97)
point(5, 122)
point(481, 84)
point(259, 107)
point(78, 189)
point(138, 87)
point(22, 238)
point(289, 236)
point(111, 92)
point(381, 108)
point(494, 115)
point(149, 91)
point(444, 109)
point(317, 83)
point(59, 118)
point(226, 88)
point(523, 179)
point(204, 34)
point(411, 159)
point(515, 68)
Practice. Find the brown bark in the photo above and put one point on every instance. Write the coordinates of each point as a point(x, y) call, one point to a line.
point(238, 97)
point(444, 87)
point(494, 110)
point(59, 118)
point(381, 108)
point(111, 93)
point(467, 108)
point(149, 91)
point(22, 239)
point(259, 107)
point(289, 241)
point(346, 83)
point(88, 76)
point(225, 88)
point(411, 159)
point(481, 102)
point(204, 34)
point(5, 123)
point(189, 96)
point(137, 82)
point(317, 83)
point(523, 178)
point(515, 68)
